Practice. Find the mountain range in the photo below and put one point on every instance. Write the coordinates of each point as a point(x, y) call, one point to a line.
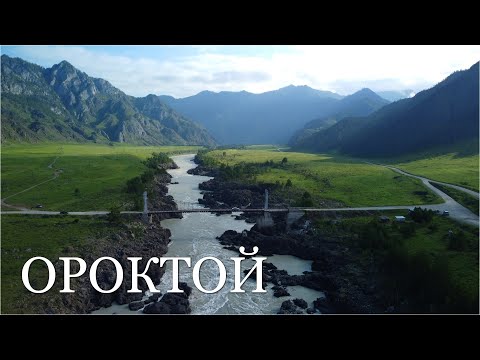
point(272, 117)
point(361, 103)
point(442, 116)
point(247, 118)
point(62, 103)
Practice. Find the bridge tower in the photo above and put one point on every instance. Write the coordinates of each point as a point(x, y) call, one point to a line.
point(145, 207)
point(265, 207)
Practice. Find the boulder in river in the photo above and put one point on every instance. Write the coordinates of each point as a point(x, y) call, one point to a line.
point(136, 305)
point(300, 303)
point(280, 291)
point(157, 308)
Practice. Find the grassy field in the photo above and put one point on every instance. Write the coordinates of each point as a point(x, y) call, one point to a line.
point(327, 177)
point(26, 236)
point(449, 168)
point(430, 238)
point(99, 172)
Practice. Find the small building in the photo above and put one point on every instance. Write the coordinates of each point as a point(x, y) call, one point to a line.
point(383, 219)
point(400, 218)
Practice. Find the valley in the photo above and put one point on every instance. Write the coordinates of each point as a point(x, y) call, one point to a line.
point(363, 200)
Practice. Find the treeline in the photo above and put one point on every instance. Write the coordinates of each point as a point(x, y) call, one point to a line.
point(241, 171)
point(248, 172)
point(418, 282)
point(157, 164)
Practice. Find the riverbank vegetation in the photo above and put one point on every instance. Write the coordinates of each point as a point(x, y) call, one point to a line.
point(318, 180)
point(156, 166)
point(427, 263)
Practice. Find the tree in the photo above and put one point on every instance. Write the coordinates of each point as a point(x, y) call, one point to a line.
point(288, 183)
point(306, 199)
point(457, 241)
point(77, 192)
point(420, 215)
point(157, 161)
point(114, 216)
point(224, 153)
point(135, 185)
point(284, 161)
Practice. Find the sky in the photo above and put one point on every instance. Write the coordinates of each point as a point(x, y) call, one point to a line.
point(183, 71)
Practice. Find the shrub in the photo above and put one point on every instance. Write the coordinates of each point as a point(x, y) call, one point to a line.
point(407, 230)
point(374, 236)
point(420, 215)
point(114, 216)
point(135, 185)
point(457, 241)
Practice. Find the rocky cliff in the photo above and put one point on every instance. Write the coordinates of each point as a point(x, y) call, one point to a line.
point(62, 103)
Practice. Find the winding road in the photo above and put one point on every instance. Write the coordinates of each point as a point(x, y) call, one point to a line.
point(456, 211)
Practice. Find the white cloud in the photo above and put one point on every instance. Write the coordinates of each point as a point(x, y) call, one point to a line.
point(343, 69)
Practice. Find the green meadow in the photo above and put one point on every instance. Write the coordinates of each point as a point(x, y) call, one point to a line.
point(90, 176)
point(328, 177)
point(450, 168)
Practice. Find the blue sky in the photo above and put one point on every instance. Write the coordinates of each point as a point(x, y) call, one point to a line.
point(186, 70)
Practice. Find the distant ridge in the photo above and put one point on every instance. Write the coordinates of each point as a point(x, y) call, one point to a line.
point(361, 103)
point(445, 115)
point(247, 118)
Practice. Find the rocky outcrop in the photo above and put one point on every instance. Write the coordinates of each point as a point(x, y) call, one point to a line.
point(350, 286)
point(324, 306)
point(159, 198)
point(279, 291)
point(300, 303)
point(172, 303)
point(134, 238)
point(292, 307)
point(203, 171)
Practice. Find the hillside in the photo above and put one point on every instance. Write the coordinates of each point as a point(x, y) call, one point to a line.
point(246, 118)
point(361, 103)
point(62, 103)
point(445, 115)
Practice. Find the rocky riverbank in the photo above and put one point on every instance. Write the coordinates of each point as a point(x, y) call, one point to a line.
point(132, 237)
point(221, 194)
point(159, 198)
point(347, 277)
point(349, 285)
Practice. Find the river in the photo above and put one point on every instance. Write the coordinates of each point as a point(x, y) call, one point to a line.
point(195, 236)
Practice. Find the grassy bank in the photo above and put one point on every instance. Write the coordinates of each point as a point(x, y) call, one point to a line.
point(327, 178)
point(450, 168)
point(90, 177)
